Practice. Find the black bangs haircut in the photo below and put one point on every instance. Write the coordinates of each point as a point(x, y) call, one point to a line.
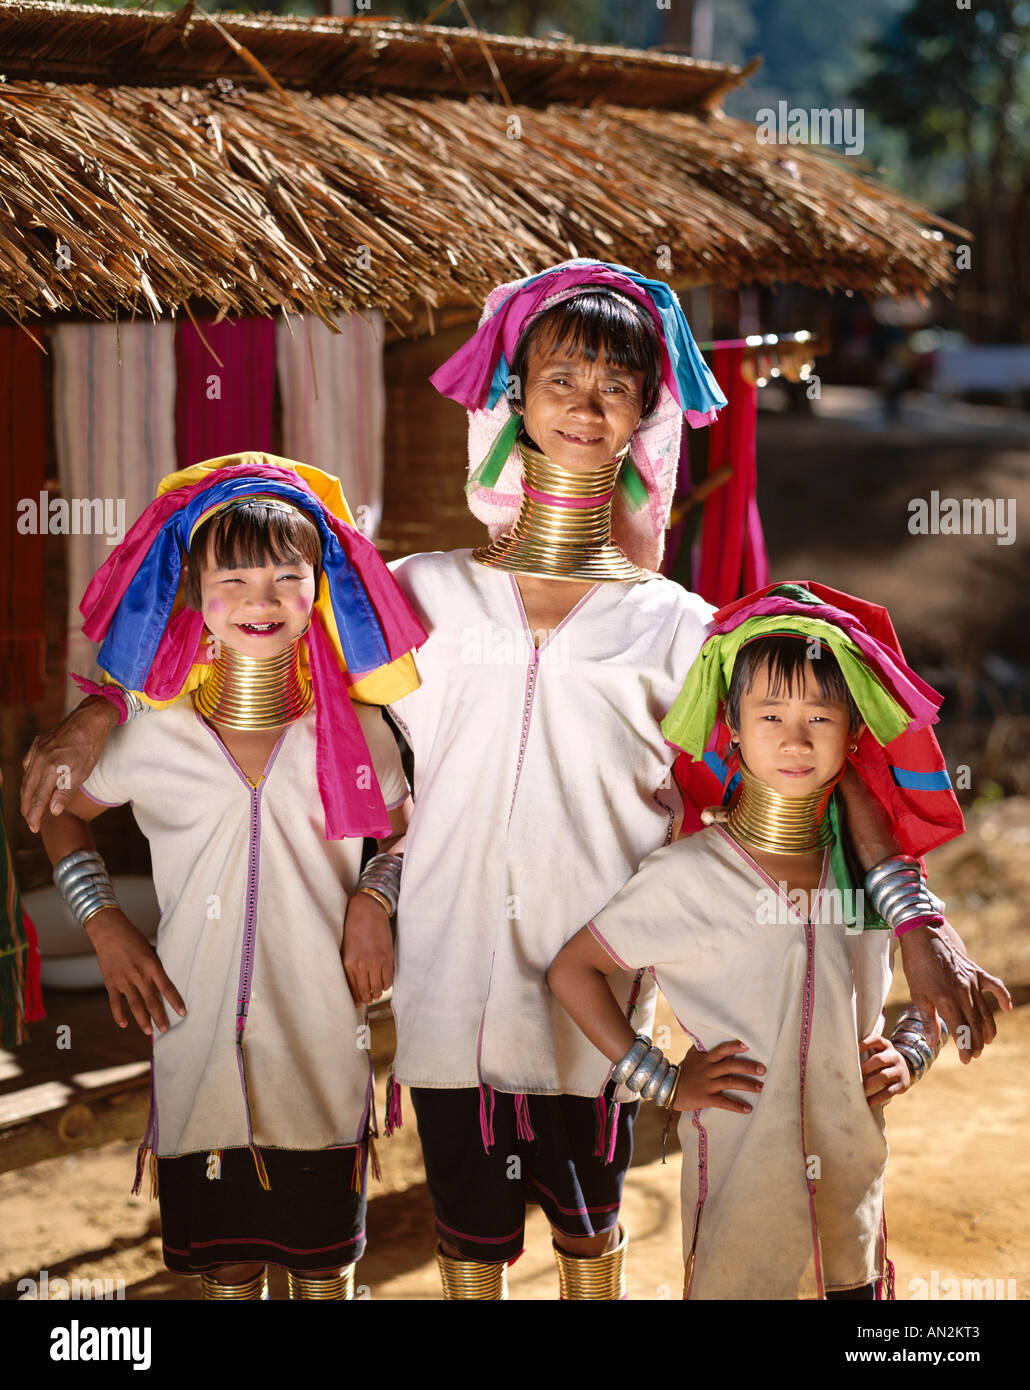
point(786, 658)
point(249, 536)
point(594, 322)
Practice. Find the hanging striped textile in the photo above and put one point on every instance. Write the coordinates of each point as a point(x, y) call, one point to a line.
point(23, 442)
point(333, 400)
point(114, 414)
point(224, 402)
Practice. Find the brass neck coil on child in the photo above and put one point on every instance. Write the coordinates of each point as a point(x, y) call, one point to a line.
point(563, 530)
point(254, 692)
point(780, 824)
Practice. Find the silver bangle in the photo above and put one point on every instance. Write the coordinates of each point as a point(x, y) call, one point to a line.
point(667, 1089)
point(383, 873)
point(628, 1065)
point(909, 1038)
point(83, 882)
point(646, 1070)
point(133, 704)
point(898, 891)
point(650, 1088)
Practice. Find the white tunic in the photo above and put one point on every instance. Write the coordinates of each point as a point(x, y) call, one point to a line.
point(784, 1192)
point(252, 900)
point(541, 781)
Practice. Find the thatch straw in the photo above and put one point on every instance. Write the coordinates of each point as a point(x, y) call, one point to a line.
point(256, 200)
point(79, 43)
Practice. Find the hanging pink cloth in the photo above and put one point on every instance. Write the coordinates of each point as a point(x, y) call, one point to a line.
point(732, 556)
point(224, 409)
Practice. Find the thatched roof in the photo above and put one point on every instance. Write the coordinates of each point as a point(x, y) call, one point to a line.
point(370, 169)
point(82, 43)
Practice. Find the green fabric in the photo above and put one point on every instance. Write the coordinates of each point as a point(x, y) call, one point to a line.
point(490, 469)
point(797, 592)
point(845, 878)
point(632, 485)
point(689, 723)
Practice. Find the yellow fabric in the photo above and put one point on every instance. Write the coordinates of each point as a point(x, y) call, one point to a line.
point(387, 684)
point(323, 485)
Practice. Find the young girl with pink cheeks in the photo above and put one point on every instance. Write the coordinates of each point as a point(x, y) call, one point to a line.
point(260, 1113)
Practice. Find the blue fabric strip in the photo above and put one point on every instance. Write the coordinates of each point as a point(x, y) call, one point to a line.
point(715, 764)
point(921, 781)
point(499, 382)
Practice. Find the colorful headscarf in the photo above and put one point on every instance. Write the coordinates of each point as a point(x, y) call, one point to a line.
point(897, 755)
point(477, 377)
point(358, 644)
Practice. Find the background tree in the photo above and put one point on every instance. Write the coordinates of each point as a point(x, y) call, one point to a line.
point(956, 83)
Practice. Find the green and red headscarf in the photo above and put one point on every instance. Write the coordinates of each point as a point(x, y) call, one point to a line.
point(897, 756)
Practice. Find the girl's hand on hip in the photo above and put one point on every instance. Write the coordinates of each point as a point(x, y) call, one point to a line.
point(885, 1072)
point(704, 1076)
point(131, 968)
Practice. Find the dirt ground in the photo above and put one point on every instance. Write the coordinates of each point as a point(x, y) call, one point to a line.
point(958, 1195)
point(958, 1203)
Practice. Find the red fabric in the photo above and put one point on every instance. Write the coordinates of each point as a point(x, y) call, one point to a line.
point(227, 408)
point(922, 818)
point(732, 555)
point(23, 428)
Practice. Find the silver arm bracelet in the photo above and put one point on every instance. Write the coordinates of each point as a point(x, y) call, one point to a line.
point(627, 1066)
point(133, 704)
point(646, 1070)
point(83, 882)
point(909, 1038)
point(382, 873)
point(898, 891)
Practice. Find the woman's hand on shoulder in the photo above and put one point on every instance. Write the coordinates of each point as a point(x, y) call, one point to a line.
point(367, 949)
point(60, 761)
point(705, 1076)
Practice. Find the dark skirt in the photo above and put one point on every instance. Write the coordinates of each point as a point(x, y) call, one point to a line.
point(479, 1197)
point(310, 1217)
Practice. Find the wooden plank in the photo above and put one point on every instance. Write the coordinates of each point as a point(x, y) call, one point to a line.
point(118, 1117)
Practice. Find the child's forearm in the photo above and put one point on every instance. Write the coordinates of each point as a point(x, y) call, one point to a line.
point(587, 997)
point(63, 835)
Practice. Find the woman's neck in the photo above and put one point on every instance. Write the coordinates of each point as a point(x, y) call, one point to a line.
point(563, 530)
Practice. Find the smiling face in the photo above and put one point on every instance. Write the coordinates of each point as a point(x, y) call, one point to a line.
point(793, 737)
point(260, 610)
point(579, 413)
